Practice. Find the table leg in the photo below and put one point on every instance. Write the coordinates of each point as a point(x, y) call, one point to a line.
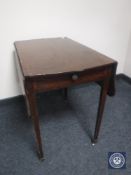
point(35, 119)
point(27, 104)
point(103, 93)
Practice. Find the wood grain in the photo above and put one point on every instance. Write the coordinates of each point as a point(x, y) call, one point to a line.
point(58, 55)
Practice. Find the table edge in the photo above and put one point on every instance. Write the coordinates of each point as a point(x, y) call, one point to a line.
point(57, 75)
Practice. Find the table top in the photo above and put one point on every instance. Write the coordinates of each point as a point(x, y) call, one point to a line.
point(40, 57)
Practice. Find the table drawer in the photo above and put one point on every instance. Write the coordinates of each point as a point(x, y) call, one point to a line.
point(63, 81)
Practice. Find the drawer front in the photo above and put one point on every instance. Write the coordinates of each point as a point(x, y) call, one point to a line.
point(70, 79)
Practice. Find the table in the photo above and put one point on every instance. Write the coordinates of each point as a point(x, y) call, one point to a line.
point(56, 63)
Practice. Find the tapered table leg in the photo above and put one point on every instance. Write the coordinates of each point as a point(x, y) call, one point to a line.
point(103, 93)
point(27, 104)
point(35, 119)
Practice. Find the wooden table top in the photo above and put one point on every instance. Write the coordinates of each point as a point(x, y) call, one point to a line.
point(40, 57)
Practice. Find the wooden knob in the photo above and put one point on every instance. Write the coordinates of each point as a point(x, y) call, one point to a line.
point(74, 77)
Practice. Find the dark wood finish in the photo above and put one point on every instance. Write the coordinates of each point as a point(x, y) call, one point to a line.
point(54, 56)
point(27, 103)
point(49, 64)
point(104, 90)
point(35, 119)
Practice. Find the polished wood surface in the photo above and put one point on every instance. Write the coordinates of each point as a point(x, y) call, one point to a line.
point(58, 63)
point(58, 55)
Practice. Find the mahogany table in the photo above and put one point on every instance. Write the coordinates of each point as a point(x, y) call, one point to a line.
point(54, 63)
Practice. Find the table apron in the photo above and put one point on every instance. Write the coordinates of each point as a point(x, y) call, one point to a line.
point(47, 85)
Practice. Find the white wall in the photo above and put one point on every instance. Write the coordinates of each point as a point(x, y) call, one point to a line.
point(127, 67)
point(100, 24)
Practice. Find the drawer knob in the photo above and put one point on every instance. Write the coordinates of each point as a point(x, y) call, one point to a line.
point(74, 77)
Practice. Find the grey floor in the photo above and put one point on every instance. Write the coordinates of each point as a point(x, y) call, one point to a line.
point(66, 128)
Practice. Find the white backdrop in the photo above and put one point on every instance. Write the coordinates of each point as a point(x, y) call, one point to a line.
point(101, 24)
point(127, 67)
